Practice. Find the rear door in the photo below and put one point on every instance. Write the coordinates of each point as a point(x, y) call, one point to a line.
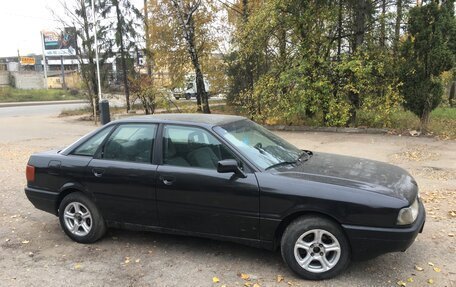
point(193, 196)
point(122, 176)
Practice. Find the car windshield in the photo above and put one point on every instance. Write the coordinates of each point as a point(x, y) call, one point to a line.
point(258, 144)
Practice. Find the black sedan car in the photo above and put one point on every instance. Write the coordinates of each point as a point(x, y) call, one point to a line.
point(227, 178)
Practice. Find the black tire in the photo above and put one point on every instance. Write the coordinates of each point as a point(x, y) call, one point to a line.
point(306, 229)
point(81, 234)
point(188, 96)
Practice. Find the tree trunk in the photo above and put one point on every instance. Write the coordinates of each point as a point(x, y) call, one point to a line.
point(148, 52)
point(339, 30)
point(122, 55)
point(397, 27)
point(383, 25)
point(451, 97)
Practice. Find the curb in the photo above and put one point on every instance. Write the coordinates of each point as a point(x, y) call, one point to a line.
point(19, 104)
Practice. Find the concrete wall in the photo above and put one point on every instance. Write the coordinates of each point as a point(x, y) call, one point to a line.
point(28, 80)
point(4, 78)
point(72, 81)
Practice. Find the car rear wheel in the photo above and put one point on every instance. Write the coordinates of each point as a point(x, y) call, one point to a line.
point(81, 219)
point(315, 248)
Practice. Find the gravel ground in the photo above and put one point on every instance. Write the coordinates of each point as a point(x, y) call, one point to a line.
point(35, 252)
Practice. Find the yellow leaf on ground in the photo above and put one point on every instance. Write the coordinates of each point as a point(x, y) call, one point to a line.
point(215, 280)
point(452, 213)
point(401, 283)
point(256, 285)
point(279, 278)
point(430, 281)
point(437, 269)
point(418, 268)
point(77, 266)
point(410, 279)
point(244, 276)
point(247, 284)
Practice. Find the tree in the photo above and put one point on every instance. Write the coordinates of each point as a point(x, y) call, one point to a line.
point(78, 13)
point(126, 34)
point(185, 15)
point(182, 39)
point(428, 51)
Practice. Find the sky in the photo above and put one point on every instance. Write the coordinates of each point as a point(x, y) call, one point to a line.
point(22, 20)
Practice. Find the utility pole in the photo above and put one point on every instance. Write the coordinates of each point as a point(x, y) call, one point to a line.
point(44, 62)
point(104, 104)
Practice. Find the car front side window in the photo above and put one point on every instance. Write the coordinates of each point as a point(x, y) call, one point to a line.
point(131, 142)
point(192, 147)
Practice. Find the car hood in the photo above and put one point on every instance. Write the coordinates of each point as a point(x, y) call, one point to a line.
point(353, 172)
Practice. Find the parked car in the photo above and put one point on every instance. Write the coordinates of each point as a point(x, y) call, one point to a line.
point(225, 177)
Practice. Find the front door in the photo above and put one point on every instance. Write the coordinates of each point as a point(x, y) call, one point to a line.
point(122, 177)
point(193, 196)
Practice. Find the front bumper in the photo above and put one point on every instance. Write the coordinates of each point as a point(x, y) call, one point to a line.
point(42, 199)
point(370, 242)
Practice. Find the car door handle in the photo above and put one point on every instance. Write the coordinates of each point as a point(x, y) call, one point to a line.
point(168, 180)
point(98, 172)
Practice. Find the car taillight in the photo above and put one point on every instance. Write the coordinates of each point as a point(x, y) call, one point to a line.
point(30, 173)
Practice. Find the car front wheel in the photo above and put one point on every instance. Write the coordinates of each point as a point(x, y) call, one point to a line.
point(81, 219)
point(315, 248)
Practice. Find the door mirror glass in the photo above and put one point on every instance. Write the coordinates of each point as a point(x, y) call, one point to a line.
point(230, 165)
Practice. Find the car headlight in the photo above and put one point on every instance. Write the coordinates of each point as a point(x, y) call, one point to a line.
point(408, 215)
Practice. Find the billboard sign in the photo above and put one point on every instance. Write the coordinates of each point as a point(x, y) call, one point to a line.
point(60, 43)
point(27, 61)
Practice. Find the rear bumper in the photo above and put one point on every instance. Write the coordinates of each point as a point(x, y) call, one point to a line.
point(42, 199)
point(370, 242)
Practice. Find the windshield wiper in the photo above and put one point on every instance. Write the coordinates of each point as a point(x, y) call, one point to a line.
point(280, 164)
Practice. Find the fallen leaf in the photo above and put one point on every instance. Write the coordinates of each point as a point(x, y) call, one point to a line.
point(137, 260)
point(127, 260)
point(244, 276)
point(451, 234)
point(452, 213)
point(437, 269)
point(410, 279)
point(247, 284)
point(418, 268)
point(401, 283)
point(25, 242)
point(7, 239)
point(431, 264)
point(430, 281)
point(215, 280)
point(279, 278)
point(256, 285)
point(77, 266)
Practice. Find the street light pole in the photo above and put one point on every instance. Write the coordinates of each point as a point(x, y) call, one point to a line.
point(103, 104)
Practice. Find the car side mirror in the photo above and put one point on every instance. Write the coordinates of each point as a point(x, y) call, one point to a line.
point(230, 165)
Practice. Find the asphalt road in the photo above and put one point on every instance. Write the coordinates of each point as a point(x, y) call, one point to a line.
point(38, 110)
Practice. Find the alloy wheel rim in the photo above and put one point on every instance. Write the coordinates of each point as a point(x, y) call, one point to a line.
point(317, 251)
point(77, 218)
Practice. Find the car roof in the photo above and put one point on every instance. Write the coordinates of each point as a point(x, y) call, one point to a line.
point(203, 119)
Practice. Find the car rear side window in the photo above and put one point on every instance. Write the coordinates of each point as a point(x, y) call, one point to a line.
point(131, 142)
point(90, 147)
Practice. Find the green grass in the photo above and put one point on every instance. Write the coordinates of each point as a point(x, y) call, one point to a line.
point(9, 94)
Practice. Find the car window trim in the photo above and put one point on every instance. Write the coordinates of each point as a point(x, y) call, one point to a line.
point(99, 152)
